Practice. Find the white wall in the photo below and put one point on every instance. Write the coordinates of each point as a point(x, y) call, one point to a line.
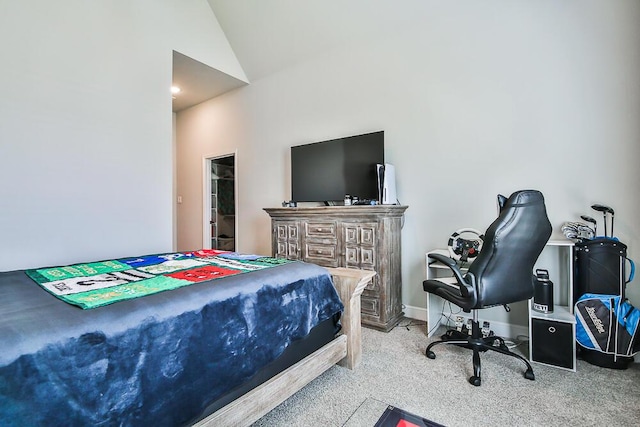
point(474, 101)
point(86, 124)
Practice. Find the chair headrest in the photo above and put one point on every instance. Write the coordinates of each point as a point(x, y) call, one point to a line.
point(523, 198)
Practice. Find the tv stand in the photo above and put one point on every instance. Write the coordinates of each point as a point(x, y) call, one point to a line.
point(364, 237)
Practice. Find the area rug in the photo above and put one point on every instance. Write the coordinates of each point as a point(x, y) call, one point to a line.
point(395, 417)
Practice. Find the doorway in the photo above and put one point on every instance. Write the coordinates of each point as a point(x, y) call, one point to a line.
point(220, 203)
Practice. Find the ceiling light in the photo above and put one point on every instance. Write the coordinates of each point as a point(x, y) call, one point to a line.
point(175, 89)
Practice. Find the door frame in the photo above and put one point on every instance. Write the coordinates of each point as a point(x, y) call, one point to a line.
point(207, 160)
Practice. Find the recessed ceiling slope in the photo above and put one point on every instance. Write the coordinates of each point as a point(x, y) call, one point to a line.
point(198, 82)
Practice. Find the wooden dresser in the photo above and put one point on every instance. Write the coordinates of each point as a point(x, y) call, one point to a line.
point(364, 237)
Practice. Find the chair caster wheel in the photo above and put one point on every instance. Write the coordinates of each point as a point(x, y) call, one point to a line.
point(431, 354)
point(475, 381)
point(529, 375)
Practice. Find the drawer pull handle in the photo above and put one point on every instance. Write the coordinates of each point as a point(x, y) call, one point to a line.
point(552, 329)
point(318, 229)
point(319, 252)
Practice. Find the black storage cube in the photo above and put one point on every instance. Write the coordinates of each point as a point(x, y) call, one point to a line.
point(552, 343)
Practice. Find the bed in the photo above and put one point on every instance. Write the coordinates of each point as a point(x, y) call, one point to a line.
point(217, 352)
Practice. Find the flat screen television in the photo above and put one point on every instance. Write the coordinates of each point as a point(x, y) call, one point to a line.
point(326, 171)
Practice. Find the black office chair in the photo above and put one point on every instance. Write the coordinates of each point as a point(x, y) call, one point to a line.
point(501, 274)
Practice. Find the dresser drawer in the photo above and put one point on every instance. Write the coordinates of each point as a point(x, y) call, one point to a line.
point(373, 287)
point(287, 250)
point(321, 230)
point(370, 306)
point(322, 254)
point(360, 234)
point(360, 257)
point(368, 234)
point(286, 231)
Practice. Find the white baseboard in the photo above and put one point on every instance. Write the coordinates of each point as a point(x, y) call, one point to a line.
point(417, 313)
point(505, 330)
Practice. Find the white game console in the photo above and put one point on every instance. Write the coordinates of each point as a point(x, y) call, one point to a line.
point(386, 174)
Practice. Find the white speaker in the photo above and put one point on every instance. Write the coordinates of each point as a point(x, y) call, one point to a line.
point(386, 184)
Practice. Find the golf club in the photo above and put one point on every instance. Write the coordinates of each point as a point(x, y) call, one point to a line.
point(592, 221)
point(612, 215)
point(605, 210)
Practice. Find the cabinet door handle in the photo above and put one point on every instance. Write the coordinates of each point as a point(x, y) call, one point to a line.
point(552, 329)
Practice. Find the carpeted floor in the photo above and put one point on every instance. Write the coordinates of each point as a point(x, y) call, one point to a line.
point(395, 371)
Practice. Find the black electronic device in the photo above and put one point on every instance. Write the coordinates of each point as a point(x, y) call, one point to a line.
point(365, 202)
point(543, 292)
point(326, 171)
point(465, 243)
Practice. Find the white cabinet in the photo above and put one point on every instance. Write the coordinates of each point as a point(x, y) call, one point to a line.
point(552, 335)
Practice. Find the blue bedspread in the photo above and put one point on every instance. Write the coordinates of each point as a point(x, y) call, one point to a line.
point(153, 361)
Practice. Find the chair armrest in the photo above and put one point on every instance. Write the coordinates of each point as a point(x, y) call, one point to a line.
point(449, 262)
point(465, 288)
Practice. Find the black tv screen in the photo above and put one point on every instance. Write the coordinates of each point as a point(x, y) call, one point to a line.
point(327, 171)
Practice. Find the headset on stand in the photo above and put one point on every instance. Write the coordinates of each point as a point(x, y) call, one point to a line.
point(465, 243)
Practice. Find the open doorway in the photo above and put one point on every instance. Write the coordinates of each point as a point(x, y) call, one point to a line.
point(220, 211)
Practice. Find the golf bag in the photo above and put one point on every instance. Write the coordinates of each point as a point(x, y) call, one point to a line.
point(600, 268)
point(607, 328)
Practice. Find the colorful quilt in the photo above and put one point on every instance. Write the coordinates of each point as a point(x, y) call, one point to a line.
point(97, 284)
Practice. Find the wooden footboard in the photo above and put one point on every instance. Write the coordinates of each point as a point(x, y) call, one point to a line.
point(350, 283)
point(346, 350)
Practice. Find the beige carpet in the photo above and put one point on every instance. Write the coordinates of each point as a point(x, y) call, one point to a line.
point(395, 371)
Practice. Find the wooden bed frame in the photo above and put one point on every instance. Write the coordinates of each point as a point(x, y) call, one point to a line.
point(346, 350)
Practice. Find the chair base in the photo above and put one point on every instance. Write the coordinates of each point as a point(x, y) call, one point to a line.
point(478, 344)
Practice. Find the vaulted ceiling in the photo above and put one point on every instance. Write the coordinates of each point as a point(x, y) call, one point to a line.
point(268, 36)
